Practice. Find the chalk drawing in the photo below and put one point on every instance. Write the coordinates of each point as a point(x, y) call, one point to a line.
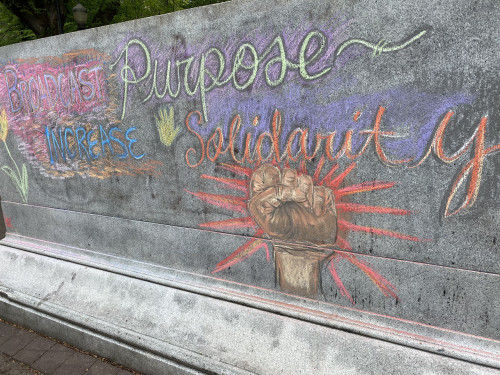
point(20, 179)
point(382, 45)
point(166, 126)
point(62, 111)
point(8, 222)
point(303, 215)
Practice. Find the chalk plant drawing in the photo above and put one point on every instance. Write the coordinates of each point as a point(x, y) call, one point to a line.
point(166, 126)
point(301, 215)
point(20, 179)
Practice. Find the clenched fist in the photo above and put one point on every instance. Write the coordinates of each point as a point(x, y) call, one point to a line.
point(289, 207)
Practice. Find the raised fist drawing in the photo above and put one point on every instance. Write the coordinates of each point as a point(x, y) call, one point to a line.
point(288, 206)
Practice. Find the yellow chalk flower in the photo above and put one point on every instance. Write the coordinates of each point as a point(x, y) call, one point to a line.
point(4, 125)
point(19, 179)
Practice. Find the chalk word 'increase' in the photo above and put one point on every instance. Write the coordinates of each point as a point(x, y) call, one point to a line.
point(90, 144)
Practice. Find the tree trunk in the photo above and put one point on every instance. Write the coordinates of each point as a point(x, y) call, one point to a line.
point(40, 16)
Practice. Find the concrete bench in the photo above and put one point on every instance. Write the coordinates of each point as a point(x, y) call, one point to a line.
point(279, 187)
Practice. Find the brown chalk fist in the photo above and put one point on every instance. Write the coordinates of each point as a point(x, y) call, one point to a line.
point(289, 207)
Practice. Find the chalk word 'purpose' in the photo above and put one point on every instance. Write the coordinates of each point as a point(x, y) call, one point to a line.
point(198, 76)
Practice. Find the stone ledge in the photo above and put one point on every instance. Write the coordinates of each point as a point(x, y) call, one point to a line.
point(109, 334)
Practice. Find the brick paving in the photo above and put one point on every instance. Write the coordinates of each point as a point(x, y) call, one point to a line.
point(23, 352)
point(34, 350)
point(9, 366)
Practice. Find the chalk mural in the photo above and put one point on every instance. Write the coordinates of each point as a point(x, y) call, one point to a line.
point(62, 112)
point(259, 107)
point(20, 180)
point(289, 205)
point(166, 126)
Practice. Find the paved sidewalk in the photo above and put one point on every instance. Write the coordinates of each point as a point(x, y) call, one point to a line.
point(23, 352)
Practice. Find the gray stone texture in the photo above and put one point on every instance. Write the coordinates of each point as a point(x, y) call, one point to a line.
point(118, 253)
point(102, 368)
point(153, 323)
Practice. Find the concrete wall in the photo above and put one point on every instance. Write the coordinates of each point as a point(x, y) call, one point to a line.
point(206, 188)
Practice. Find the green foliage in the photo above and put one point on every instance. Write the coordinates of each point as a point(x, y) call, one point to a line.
point(25, 20)
point(134, 9)
point(11, 29)
point(40, 16)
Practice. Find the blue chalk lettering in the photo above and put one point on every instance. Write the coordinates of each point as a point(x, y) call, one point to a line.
point(58, 145)
point(92, 144)
point(125, 153)
point(66, 131)
point(52, 78)
point(104, 141)
point(79, 141)
point(47, 135)
point(42, 95)
point(85, 83)
point(13, 88)
point(30, 95)
point(59, 80)
point(73, 86)
point(23, 87)
point(130, 142)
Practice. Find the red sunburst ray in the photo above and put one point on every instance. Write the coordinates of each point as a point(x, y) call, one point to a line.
point(240, 222)
point(385, 286)
point(364, 187)
point(381, 232)
point(231, 182)
point(338, 281)
point(243, 252)
point(249, 250)
point(242, 171)
point(338, 180)
point(354, 207)
point(329, 175)
point(343, 243)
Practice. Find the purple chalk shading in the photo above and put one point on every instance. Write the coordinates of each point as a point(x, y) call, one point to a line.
point(411, 114)
point(178, 49)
